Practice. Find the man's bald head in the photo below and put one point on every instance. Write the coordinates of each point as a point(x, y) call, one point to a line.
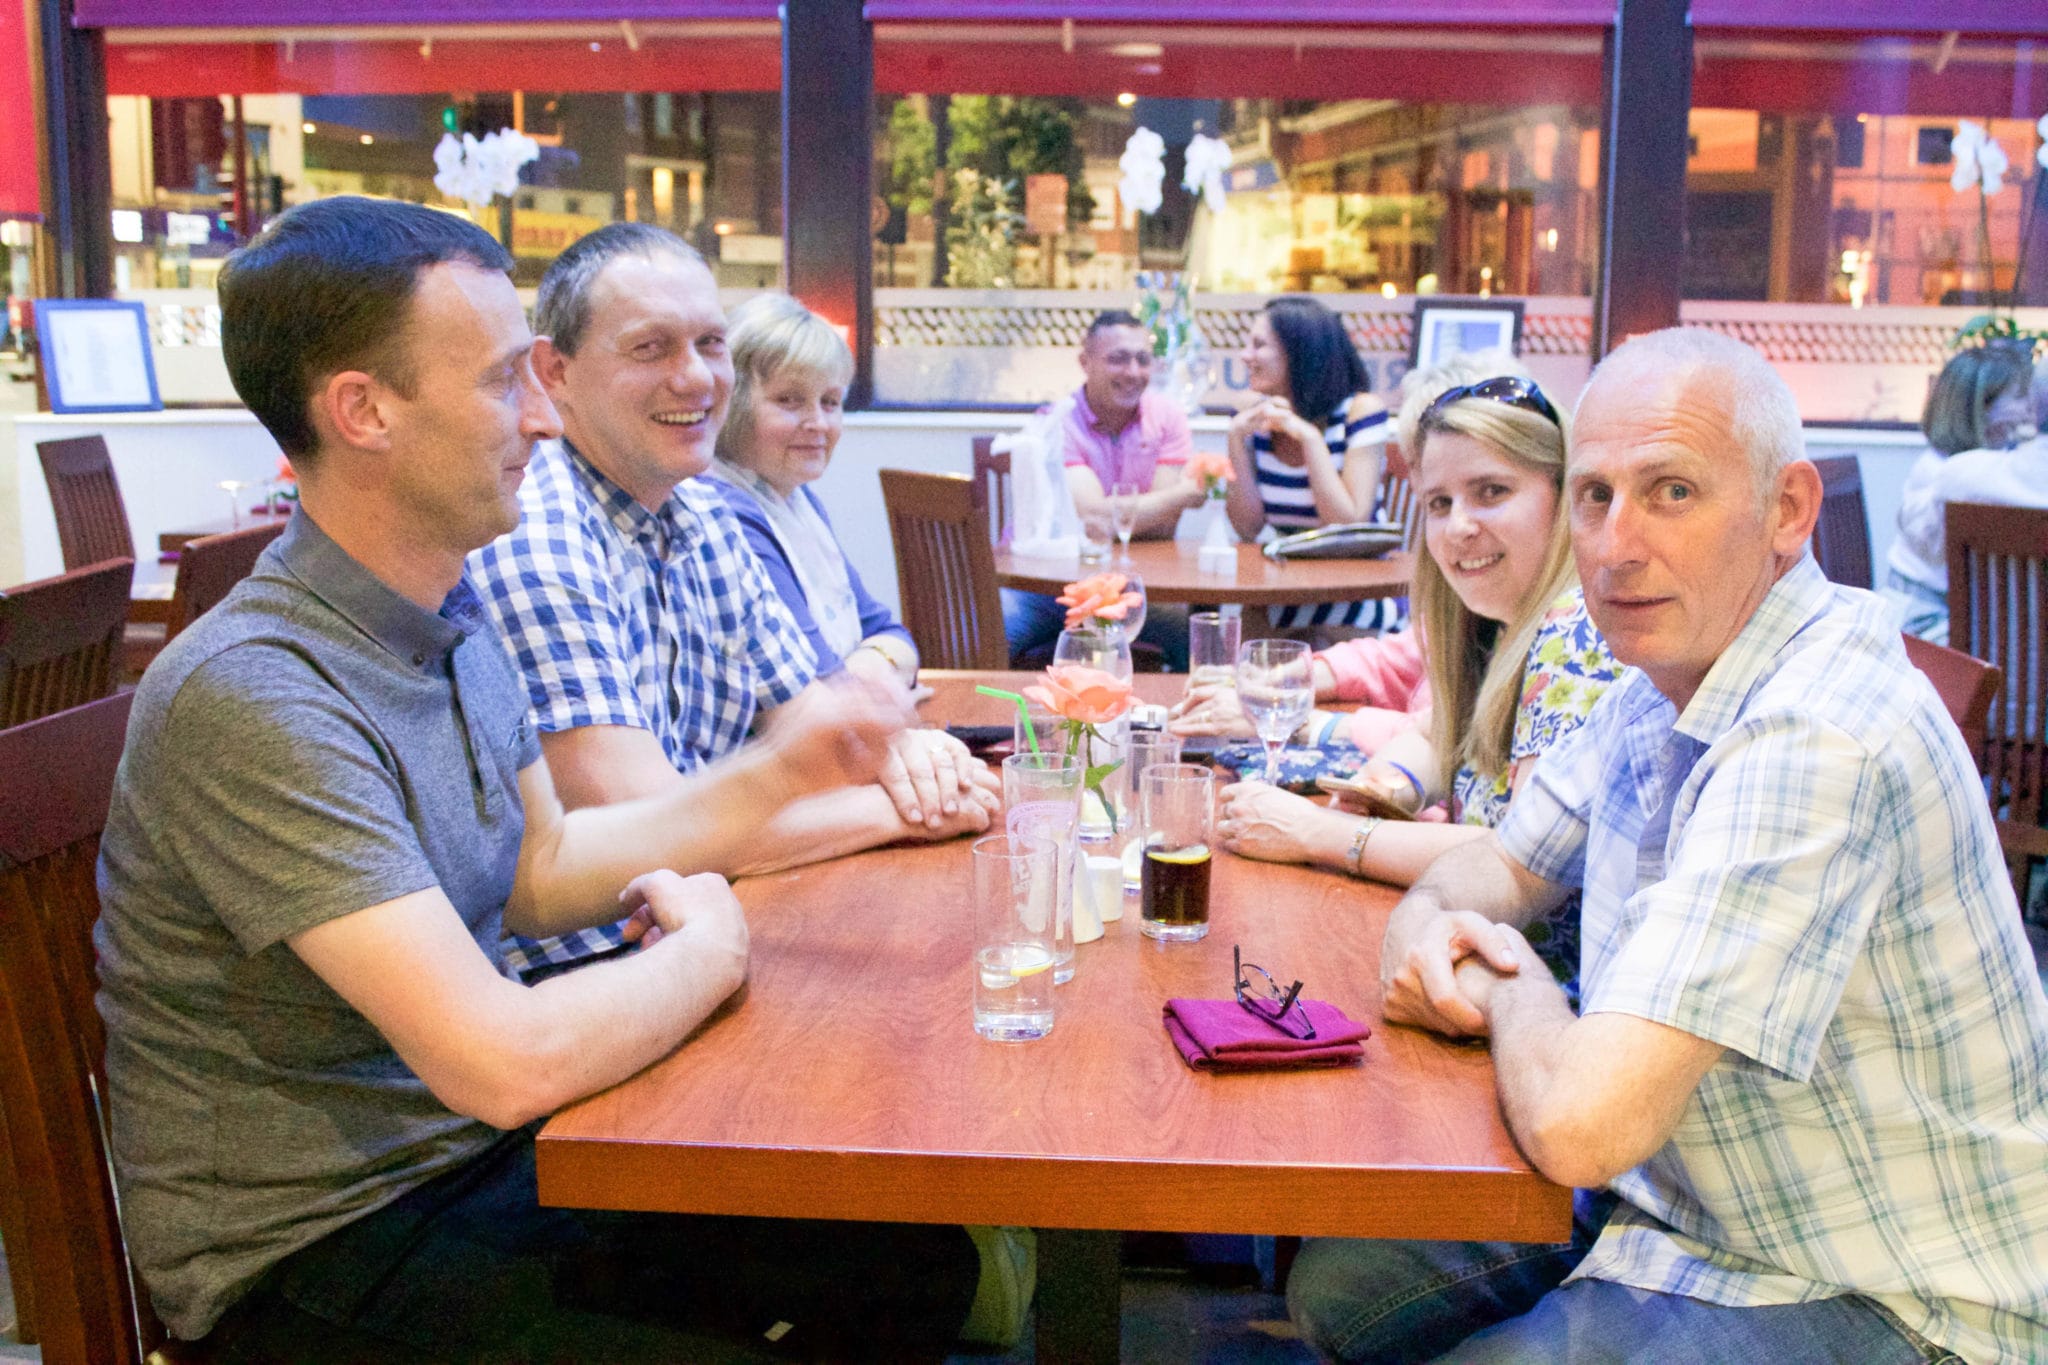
point(1762, 420)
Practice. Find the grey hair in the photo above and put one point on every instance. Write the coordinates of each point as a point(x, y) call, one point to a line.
point(561, 311)
point(1763, 417)
point(2041, 395)
point(771, 333)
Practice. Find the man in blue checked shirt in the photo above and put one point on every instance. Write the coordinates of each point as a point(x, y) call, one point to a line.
point(649, 635)
point(1805, 1101)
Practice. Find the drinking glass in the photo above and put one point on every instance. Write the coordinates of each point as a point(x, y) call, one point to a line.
point(1134, 618)
point(1276, 686)
point(1042, 799)
point(1173, 884)
point(1015, 886)
point(1095, 536)
point(1212, 647)
point(1123, 515)
point(233, 488)
point(1148, 749)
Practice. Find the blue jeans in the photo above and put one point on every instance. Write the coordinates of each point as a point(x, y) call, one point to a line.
point(1033, 621)
point(1497, 1303)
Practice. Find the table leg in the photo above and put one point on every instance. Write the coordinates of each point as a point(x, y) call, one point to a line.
point(1080, 1296)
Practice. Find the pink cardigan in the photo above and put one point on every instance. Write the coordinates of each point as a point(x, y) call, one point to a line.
point(1386, 674)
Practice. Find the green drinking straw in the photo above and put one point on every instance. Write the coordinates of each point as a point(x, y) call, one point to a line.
point(1023, 714)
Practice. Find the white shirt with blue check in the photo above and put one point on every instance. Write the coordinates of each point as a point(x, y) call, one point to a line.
point(659, 620)
point(1802, 868)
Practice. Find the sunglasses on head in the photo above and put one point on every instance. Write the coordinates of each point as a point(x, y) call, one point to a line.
point(1508, 389)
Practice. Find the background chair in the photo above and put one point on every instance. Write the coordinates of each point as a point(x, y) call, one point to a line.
point(60, 640)
point(208, 569)
point(992, 480)
point(945, 569)
point(1841, 539)
point(1398, 502)
point(1965, 686)
point(1997, 604)
point(56, 780)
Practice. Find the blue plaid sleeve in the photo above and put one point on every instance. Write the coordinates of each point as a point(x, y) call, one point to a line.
point(1792, 830)
point(556, 604)
point(1546, 825)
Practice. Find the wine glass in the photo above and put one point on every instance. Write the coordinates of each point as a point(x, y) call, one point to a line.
point(233, 488)
point(1123, 515)
point(1134, 618)
point(1276, 686)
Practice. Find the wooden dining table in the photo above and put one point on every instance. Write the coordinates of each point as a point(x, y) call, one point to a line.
point(846, 1081)
point(1172, 574)
point(170, 542)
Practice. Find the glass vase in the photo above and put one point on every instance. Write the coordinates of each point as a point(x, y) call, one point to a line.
point(1100, 646)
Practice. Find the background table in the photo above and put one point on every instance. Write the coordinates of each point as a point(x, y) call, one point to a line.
point(848, 1082)
point(1171, 574)
point(171, 542)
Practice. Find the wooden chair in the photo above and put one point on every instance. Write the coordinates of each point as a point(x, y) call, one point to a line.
point(1997, 608)
point(992, 478)
point(1965, 686)
point(945, 569)
point(1398, 502)
point(210, 567)
point(60, 640)
point(1841, 539)
point(56, 780)
point(92, 525)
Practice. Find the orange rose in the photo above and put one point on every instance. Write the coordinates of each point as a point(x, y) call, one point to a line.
point(1100, 597)
point(285, 472)
point(1077, 693)
point(1209, 468)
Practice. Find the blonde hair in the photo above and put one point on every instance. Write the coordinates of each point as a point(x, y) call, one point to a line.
point(1474, 692)
point(771, 333)
point(1419, 389)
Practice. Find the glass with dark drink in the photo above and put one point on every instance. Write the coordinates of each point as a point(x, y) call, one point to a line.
point(1177, 803)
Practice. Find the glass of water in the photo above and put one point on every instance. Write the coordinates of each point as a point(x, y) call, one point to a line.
point(1123, 515)
point(1014, 894)
point(1276, 686)
point(1212, 648)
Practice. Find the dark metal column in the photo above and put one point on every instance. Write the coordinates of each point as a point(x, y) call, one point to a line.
point(1643, 141)
point(828, 114)
point(78, 189)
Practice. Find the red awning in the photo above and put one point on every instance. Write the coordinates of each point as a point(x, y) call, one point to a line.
point(21, 194)
point(284, 14)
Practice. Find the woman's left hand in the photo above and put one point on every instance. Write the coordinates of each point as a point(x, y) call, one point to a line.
point(1264, 822)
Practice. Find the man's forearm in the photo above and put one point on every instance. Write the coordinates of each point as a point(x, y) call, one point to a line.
point(1527, 1018)
point(815, 828)
point(1478, 877)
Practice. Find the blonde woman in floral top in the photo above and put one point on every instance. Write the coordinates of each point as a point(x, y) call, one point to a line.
point(1513, 663)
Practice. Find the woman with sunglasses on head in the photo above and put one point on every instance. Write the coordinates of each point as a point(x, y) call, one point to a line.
point(1308, 451)
point(1512, 660)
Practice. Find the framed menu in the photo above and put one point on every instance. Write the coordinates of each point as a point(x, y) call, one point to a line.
point(95, 356)
point(1445, 327)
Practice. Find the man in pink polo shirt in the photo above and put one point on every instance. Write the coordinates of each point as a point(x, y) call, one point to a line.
point(1118, 432)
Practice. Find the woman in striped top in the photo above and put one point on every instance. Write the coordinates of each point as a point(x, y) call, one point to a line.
point(1309, 451)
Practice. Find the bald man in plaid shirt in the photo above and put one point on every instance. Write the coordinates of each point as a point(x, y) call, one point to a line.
point(1805, 1100)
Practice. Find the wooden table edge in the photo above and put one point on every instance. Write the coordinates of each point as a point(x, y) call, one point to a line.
point(1134, 1194)
point(1024, 576)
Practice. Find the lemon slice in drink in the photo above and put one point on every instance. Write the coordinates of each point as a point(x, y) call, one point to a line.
point(1029, 961)
point(1198, 853)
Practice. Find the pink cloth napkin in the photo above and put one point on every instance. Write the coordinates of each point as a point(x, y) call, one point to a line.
point(1222, 1035)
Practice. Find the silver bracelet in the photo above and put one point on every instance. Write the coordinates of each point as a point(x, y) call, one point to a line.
point(1357, 855)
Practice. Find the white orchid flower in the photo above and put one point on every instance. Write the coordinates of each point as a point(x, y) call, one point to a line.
point(1144, 166)
point(477, 172)
point(1978, 157)
point(1207, 159)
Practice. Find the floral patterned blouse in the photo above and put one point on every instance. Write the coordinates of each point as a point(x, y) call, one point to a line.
point(1568, 670)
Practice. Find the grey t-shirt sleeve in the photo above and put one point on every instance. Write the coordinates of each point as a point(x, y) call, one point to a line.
point(279, 799)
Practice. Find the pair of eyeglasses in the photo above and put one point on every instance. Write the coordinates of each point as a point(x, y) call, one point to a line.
point(1509, 389)
point(1258, 992)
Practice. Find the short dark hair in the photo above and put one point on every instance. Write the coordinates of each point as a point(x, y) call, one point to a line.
point(1110, 317)
point(1323, 367)
point(328, 287)
point(561, 311)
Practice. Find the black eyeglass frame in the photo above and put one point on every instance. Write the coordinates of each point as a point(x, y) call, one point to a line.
point(1282, 1002)
point(1510, 389)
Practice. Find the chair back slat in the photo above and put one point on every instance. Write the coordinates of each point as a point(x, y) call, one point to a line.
point(1841, 538)
point(56, 781)
point(945, 569)
point(209, 568)
point(92, 520)
point(992, 480)
point(60, 640)
point(1964, 684)
point(1996, 603)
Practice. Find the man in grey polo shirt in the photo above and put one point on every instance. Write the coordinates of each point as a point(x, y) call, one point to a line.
point(332, 806)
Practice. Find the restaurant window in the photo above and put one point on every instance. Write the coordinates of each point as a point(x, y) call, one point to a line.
point(1356, 171)
point(1821, 221)
point(364, 116)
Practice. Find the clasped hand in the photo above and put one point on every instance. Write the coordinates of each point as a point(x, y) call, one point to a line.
point(1443, 977)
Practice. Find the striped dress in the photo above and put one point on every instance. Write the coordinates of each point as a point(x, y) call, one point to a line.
point(1290, 505)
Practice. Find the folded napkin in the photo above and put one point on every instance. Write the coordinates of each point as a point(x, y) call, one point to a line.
point(1222, 1035)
